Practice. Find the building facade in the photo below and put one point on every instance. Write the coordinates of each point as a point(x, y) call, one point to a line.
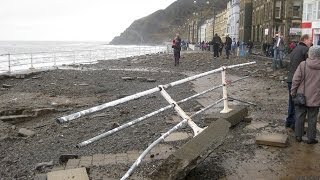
point(270, 17)
point(311, 19)
point(233, 19)
point(220, 26)
point(245, 20)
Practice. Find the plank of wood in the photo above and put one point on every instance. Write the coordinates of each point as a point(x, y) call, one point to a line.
point(278, 140)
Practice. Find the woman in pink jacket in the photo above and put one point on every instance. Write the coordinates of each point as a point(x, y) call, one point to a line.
point(306, 80)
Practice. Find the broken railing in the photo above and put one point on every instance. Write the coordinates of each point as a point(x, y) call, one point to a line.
point(173, 104)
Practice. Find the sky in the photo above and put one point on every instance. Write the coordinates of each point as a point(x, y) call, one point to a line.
point(71, 20)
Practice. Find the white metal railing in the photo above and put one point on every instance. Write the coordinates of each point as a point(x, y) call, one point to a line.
point(173, 104)
point(35, 60)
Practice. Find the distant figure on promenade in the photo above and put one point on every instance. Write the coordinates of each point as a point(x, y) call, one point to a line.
point(228, 45)
point(250, 46)
point(216, 41)
point(306, 80)
point(298, 54)
point(176, 45)
point(292, 46)
point(278, 47)
point(234, 46)
point(318, 43)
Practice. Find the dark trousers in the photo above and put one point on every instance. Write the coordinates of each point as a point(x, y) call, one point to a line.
point(227, 52)
point(176, 54)
point(301, 113)
point(290, 121)
point(216, 50)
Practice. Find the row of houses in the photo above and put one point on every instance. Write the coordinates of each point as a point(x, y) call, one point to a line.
point(259, 21)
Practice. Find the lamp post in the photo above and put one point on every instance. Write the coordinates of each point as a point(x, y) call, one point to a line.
point(198, 24)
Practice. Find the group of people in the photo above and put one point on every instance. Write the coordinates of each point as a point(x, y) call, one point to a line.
point(304, 89)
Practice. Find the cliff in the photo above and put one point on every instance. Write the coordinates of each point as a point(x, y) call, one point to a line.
point(161, 26)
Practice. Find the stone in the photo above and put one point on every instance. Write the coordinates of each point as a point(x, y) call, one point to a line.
point(44, 165)
point(40, 177)
point(65, 157)
point(197, 108)
point(248, 119)
point(142, 79)
point(235, 116)
point(278, 140)
point(256, 125)
point(6, 86)
point(83, 84)
point(76, 174)
point(115, 125)
point(151, 80)
point(127, 78)
point(195, 151)
point(43, 111)
point(177, 136)
point(26, 133)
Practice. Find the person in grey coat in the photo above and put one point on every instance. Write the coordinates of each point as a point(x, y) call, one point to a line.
point(278, 47)
point(299, 54)
point(306, 80)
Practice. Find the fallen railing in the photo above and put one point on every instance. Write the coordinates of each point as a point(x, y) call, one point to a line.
point(173, 104)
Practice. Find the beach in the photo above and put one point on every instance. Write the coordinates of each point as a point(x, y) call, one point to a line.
point(77, 87)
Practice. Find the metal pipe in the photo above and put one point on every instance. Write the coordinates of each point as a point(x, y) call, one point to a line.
point(145, 152)
point(108, 133)
point(206, 108)
point(106, 105)
point(196, 129)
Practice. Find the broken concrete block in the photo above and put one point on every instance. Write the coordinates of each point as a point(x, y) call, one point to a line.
point(26, 133)
point(40, 177)
point(65, 157)
point(78, 174)
point(235, 116)
point(248, 119)
point(182, 161)
point(6, 86)
point(278, 140)
point(127, 78)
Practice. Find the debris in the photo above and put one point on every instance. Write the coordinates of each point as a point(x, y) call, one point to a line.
point(279, 140)
point(79, 174)
point(65, 157)
point(6, 86)
point(197, 108)
point(26, 133)
point(142, 79)
point(115, 125)
point(127, 78)
point(44, 165)
point(151, 80)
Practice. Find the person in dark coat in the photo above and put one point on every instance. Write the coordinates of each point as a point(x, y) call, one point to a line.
point(306, 80)
point(216, 41)
point(250, 46)
point(176, 45)
point(228, 45)
point(298, 54)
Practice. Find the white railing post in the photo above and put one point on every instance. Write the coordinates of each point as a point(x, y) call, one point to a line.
point(9, 62)
point(31, 67)
point(196, 129)
point(226, 108)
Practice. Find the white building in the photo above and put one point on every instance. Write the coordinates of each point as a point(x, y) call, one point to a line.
point(202, 32)
point(233, 8)
point(311, 19)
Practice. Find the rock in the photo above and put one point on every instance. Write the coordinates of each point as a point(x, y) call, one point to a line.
point(124, 111)
point(43, 111)
point(65, 157)
point(43, 165)
point(197, 108)
point(13, 127)
point(83, 84)
point(6, 86)
point(40, 177)
point(122, 96)
point(115, 125)
point(142, 79)
point(20, 76)
point(279, 140)
point(151, 80)
point(26, 133)
point(127, 78)
point(248, 119)
point(281, 78)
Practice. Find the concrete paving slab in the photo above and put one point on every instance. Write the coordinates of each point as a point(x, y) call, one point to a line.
point(278, 140)
point(256, 125)
point(177, 136)
point(70, 174)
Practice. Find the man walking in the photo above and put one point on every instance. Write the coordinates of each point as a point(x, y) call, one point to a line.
point(216, 40)
point(298, 54)
point(228, 45)
point(278, 52)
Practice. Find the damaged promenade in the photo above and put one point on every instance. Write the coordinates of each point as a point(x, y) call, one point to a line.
point(32, 142)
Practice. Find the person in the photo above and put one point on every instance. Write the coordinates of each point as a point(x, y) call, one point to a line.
point(250, 46)
point(318, 43)
point(298, 54)
point(234, 46)
point(279, 48)
point(176, 45)
point(221, 48)
point(306, 80)
point(292, 46)
point(228, 45)
point(216, 41)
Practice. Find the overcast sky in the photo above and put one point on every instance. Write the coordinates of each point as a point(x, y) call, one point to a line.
point(71, 20)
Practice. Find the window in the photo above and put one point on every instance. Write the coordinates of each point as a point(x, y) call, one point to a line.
point(278, 10)
point(307, 12)
point(296, 9)
point(318, 16)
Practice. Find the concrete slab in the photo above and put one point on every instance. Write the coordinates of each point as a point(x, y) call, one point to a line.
point(279, 140)
point(235, 116)
point(177, 136)
point(70, 174)
point(182, 161)
point(256, 125)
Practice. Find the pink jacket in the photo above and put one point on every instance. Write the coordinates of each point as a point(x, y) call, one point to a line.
point(311, 79)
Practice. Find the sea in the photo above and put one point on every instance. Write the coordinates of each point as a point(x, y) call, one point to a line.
point(18, 56)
